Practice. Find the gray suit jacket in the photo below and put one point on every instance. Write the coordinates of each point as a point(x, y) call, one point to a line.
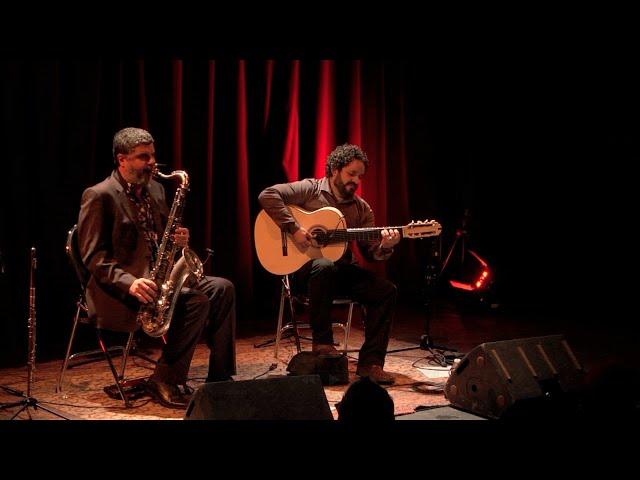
point(114, 250)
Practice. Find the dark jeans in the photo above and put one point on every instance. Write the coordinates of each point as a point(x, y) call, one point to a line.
point(208, 308)
point(325, 280)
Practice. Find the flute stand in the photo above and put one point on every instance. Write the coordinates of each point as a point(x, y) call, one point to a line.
point(28, 401)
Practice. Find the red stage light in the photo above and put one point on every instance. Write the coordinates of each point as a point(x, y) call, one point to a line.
point(475, 274)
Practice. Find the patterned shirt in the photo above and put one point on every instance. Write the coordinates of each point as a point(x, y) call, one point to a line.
point(141, 201)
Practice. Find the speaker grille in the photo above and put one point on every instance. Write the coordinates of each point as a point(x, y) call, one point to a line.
point(284, 398)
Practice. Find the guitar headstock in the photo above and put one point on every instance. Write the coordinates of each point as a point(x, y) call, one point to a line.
point(421, 229)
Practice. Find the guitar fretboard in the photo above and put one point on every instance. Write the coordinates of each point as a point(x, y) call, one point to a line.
point(342, 235)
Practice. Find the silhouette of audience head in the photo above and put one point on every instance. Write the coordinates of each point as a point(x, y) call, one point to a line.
point(365, 402)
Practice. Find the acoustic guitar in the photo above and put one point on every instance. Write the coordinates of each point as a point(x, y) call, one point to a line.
point(280, 255)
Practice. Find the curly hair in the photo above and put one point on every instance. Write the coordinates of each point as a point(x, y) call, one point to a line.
point(344, 155)
point(129, 138)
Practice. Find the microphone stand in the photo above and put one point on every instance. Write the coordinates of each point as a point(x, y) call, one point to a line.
point(28, 400)
point(432, 279)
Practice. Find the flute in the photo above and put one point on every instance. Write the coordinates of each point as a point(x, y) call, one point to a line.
point(31, 323)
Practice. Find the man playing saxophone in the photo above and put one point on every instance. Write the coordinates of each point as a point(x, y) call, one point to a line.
point(121, 223)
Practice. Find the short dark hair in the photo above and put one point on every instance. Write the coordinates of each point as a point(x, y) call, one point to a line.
point(129, 138)
point(344, 155)
point(365, 401)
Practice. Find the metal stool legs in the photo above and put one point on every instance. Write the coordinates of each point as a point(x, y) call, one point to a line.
point(286, 293)
point(103, 350)
point(118, 378)
point(293, 324)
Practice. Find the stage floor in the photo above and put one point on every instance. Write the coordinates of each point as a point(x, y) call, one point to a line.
point(83, 396)
point(419, 381)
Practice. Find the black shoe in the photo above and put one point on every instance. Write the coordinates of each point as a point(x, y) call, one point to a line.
point(167, 395)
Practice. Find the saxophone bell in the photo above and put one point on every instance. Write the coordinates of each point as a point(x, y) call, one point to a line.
point(194, 264)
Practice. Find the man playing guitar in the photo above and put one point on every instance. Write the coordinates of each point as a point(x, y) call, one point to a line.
point(325, 278)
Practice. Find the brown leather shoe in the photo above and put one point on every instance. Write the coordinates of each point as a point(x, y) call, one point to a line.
point(376, 374)
point(167, 395)
point(324, 349)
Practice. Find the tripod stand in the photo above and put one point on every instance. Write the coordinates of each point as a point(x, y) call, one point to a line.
point(433, 275)
point(28, 400)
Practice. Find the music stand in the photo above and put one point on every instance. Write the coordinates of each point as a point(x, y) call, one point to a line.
point(27, 400)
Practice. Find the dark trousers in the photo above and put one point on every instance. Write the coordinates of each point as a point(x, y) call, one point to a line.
point(207, 309)
point(325, 280)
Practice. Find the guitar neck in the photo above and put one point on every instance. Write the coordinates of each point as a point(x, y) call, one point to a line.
point(359, 233)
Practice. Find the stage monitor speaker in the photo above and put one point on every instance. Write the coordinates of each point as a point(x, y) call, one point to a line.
point(280, 398)
point(527, 377)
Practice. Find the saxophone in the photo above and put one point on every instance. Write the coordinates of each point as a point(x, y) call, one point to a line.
point(168, 275)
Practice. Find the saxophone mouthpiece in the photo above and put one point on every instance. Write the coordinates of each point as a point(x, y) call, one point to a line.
point(155, 170)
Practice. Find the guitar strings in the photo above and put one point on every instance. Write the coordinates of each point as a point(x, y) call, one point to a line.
point(331, 235)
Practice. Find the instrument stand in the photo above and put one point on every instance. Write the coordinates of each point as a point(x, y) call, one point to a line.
point(28, 401)
point(432, 280)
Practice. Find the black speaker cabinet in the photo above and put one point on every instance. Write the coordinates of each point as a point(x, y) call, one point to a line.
point(280, 398)
point(513, 378)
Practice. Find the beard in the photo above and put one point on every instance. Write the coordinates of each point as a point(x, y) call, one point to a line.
point(347, 190)
point(141, 177)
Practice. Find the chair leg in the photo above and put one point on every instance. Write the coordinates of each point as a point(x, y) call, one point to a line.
point(294, 324)
point(125, 356)
point(348, 329)
point(286, 293)
point(279, 327)
point(68, 354)
point(113, 369)
point(133, 351)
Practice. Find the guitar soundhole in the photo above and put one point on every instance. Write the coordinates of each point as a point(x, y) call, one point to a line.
point(320, 237)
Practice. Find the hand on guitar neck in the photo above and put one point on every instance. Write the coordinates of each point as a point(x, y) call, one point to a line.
point(389, 238)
